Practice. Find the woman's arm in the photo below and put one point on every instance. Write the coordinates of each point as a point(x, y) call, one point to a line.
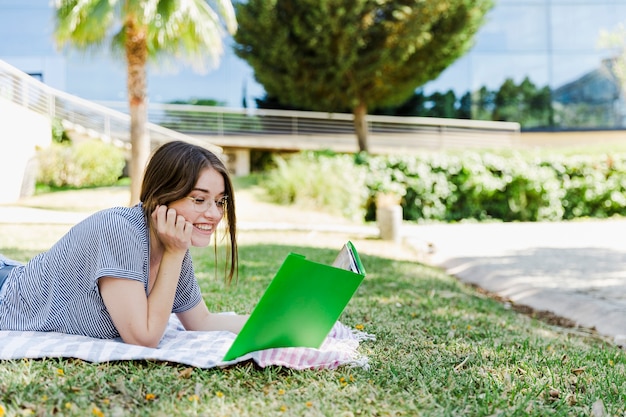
point(199, 318)
point(142, 320)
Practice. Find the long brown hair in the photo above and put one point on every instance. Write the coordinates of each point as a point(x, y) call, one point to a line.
point(173, 172)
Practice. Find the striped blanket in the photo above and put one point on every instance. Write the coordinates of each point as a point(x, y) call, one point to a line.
point(198, 349)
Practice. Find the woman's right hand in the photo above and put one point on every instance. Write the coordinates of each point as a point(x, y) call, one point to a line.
point(139, 319)
point(172, 229)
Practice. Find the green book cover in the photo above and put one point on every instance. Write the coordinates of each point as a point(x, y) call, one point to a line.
point(301, 304)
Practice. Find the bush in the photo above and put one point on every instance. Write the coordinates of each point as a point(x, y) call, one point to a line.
point(442, 187)
point(58, 132)
point(594, 187)
point(91, 163)
point(510, 188)
point(320, 181)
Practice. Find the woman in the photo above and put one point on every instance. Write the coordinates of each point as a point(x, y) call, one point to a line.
point(124, 270)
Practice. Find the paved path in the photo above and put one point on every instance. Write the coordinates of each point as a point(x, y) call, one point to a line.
point(576, 270)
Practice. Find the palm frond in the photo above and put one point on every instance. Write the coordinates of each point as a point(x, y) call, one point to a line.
point(84, 23)
point(190, 30)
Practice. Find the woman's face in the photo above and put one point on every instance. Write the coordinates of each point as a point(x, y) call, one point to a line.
point(204, 206)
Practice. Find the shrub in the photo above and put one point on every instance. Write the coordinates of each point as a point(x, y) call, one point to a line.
point(91, 163)
point(514, 187)
point(594, 187)
point(320, 181)
point(478, 183)
point(58, 131)
point(470, 185)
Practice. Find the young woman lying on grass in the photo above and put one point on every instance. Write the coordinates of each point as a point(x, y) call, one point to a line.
point(124, 270)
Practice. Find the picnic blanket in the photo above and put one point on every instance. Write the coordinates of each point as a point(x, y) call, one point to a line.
point(198, 349)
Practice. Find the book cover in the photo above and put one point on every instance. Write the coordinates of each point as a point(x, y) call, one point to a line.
point(301, 304)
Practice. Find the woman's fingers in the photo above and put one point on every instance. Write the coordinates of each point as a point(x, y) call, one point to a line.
point(160, 216)
point(172, 227)
point(183, 228)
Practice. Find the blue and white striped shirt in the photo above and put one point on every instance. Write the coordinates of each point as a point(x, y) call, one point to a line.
point(57, 291)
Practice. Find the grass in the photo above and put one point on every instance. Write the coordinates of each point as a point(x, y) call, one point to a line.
point(442, 349)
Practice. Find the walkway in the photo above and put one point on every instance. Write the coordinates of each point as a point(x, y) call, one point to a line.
point(576, 270)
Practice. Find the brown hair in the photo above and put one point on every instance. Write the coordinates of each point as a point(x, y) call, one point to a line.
point(173, 172)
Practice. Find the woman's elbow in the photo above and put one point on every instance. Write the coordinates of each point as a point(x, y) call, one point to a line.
point(145, 341)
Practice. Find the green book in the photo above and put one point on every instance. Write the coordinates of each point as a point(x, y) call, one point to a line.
point(301, 304)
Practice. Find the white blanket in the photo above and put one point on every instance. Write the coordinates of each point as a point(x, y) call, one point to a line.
point(198, 349)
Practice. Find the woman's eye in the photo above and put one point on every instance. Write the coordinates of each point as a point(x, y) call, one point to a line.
point(199, 200)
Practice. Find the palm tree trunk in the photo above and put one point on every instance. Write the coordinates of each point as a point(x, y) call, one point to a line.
point(360, 126)
point(136, 59)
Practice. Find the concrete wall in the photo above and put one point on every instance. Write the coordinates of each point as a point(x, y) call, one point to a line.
point(22, 132)
point(573, 139)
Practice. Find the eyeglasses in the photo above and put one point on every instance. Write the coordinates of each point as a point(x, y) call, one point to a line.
point(200, 204)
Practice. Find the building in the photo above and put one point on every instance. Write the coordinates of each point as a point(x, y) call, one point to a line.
point(553, 43)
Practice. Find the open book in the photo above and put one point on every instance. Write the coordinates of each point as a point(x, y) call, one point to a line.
point(301, 304)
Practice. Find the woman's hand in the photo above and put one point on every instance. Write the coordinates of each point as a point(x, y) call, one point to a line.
point(139, 319)
point(172, 229)
point(199, 318)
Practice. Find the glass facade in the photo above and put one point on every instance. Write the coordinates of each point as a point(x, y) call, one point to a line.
point(549, 43)
point(554, 44)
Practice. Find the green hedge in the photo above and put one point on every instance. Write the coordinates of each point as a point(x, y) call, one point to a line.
point(510, 188)
point(91, 163)
point(455, 187)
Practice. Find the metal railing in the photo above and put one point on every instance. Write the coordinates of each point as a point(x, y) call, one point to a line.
point(267, 128)
point(76, 114)
point(251, 128)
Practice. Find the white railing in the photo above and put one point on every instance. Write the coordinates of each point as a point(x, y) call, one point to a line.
point(76, 114)
point(252, 128)
point(228, 125)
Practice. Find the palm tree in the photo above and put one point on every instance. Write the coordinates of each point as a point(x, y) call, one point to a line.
point(141, 31)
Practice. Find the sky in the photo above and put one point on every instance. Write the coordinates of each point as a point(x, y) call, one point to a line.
point(520, 38)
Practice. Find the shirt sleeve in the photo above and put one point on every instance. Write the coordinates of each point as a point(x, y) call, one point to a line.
point(123, 248)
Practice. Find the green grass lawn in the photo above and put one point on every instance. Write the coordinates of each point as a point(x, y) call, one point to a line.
point(442, 349)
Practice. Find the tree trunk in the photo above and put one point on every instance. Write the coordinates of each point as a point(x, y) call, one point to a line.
point(360, 126)
point(136, 58)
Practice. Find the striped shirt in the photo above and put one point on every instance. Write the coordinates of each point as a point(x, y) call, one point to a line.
point(57, 291)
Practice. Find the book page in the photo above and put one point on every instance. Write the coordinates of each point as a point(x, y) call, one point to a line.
point(345, 260)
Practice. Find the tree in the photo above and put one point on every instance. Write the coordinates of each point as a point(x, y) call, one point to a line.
point(483, 104)
point(443, 105)
point(353, 55)
point(523, 103)
point(465, 106)
point(145, 31)
point(415, 105)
